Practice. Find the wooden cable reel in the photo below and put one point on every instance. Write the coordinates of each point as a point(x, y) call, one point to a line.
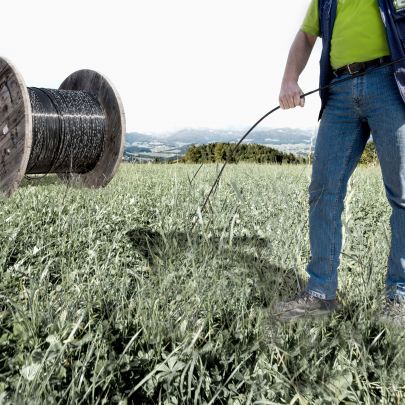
point(16, 128)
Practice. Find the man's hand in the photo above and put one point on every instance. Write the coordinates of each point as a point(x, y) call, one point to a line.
point(290, 95)
point(298, 57)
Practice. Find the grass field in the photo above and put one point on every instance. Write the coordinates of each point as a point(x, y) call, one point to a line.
point(108, 297)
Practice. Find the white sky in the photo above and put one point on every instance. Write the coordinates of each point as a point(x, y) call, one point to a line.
point(176, 63)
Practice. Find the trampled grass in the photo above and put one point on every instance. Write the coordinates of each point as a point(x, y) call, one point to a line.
point(107, 296)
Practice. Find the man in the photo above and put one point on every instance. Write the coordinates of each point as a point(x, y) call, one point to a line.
point(357, 35)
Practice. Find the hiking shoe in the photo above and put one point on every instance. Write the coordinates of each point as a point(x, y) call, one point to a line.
point(394, 312)
point(304, 305)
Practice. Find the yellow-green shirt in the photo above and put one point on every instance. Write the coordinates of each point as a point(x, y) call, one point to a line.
point(358, 34)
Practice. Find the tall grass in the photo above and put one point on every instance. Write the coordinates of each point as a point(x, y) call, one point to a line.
point(108, 297)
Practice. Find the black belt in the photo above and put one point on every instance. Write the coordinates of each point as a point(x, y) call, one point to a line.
point(359, 67)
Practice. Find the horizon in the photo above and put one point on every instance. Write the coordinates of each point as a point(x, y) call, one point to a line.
point(230, 129)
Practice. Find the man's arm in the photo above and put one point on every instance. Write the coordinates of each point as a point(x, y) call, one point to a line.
point(298, 57)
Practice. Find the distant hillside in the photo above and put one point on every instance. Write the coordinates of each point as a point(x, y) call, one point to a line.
point(132, 137)
point(268, 136)
point(137, 149)
point(202, 136)
point(144, 147)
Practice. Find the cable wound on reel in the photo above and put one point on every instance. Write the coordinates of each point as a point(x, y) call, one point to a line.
point(68, 131)
point(76, 132)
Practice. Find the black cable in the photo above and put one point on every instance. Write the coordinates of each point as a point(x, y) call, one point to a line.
point(68, 131)
point(230, 157)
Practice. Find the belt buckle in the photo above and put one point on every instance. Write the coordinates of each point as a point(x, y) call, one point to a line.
point(361, 67)
point(350, 69)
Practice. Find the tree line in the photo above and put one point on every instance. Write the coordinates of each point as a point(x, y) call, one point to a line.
point(219, 152)
point(255, 153)
point(369, 156)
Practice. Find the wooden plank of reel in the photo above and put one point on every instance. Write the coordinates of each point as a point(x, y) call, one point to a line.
point(16, 128)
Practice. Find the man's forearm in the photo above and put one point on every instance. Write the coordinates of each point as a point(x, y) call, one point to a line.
point(297, 59)
point(298, 56)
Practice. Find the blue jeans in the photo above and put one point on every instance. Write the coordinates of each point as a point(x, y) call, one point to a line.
point(355, 106)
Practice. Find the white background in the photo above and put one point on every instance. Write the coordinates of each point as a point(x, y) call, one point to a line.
point(175, 63)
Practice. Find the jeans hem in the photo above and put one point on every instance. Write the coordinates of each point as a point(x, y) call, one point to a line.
point(395, 292)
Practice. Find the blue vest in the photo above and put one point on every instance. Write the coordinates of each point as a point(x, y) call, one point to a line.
point(394, 22)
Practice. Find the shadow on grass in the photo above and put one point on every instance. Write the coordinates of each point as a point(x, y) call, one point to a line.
point(250, 253)
point(40, 180)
